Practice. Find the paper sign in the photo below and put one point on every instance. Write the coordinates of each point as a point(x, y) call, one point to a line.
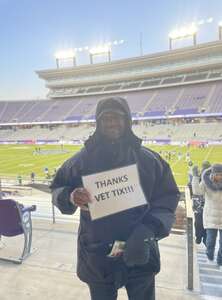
point(114, 191)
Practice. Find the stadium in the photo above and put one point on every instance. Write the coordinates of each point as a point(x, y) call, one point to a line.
point(175, 98)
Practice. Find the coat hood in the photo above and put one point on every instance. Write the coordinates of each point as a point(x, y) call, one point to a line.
point(117, 105)
point(207, 180)
point(114, 104)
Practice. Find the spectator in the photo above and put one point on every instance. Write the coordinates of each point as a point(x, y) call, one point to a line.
point(198, 205)
point(199, 220)
point(211, 188)
point(114, 145)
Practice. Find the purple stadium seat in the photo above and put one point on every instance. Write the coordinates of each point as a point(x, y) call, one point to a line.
point(15, 219)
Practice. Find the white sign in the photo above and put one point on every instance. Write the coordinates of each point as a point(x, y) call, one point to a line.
point(114, 191)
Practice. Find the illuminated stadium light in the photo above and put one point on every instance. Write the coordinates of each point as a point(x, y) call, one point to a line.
point(70, 54)
point(183, 32)
point(104, 49)
point(100, 50)
point(65, 55)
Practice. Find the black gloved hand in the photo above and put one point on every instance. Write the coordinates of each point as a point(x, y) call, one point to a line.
point(137, 248)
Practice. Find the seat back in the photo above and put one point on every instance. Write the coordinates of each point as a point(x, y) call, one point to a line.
point(10, 218)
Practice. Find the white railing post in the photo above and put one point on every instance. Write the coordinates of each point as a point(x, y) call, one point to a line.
point(189, 215)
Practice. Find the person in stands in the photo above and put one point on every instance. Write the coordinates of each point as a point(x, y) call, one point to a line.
point(114, 145)
point(210, 187)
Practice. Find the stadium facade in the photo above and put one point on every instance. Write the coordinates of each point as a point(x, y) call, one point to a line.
point(181, 86)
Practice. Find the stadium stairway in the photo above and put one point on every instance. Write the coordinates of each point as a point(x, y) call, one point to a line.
point(210, 276)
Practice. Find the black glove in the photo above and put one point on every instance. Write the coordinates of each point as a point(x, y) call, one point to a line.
point(137, 248)
point(195, 171)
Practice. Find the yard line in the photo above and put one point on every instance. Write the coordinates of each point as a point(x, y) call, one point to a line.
point(208, 153)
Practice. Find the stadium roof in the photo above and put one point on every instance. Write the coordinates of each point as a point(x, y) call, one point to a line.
point(201, 58)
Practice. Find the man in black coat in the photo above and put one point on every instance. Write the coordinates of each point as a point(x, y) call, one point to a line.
point(113, 145)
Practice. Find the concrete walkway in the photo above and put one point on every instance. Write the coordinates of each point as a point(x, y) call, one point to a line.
point(49, 273)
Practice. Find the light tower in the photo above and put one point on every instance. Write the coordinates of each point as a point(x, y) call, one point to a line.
point(65, 57)
point(183, 33)
point(104, 50)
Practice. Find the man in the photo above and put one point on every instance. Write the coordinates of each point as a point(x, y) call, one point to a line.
point(113, 145)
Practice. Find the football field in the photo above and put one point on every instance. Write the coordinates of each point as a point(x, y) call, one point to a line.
point(23, 159)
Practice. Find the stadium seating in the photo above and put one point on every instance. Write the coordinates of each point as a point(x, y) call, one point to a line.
point(180, 100)
point(15, 219)
point(199, 99)
point(148, 131)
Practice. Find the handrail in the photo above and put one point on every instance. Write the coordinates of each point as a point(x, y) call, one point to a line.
point(189, 215)
point(189, 210)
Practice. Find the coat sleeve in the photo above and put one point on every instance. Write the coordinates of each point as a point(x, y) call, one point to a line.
point(197, 186)
point(164, 200)
point(67, 178)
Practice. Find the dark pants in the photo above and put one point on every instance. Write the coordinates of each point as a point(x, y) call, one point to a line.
point(137, 287)
point(211, 242)
point(200, 232)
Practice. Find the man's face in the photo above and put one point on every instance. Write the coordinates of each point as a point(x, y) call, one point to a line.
point(112, 125)
point(218, 177)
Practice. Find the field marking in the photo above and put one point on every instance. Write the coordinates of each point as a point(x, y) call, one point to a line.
point(26, 165)
point(208, 153)
point(18, 148)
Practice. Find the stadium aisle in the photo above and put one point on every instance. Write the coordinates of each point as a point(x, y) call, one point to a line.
point(210, 276)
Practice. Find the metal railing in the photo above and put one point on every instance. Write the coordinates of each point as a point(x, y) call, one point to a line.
point(190, 257)
point(189, 229)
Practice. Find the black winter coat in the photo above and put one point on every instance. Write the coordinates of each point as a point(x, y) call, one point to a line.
point(95, 237)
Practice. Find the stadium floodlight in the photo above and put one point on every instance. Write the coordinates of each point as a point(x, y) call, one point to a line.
point(64, 56)
point(100, 50)
point(182, 33)
point(220, 30)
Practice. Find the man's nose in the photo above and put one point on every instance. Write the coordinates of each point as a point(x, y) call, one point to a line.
point(111, 121)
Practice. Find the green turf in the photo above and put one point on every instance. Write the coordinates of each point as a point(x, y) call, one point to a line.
point(20, 159)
